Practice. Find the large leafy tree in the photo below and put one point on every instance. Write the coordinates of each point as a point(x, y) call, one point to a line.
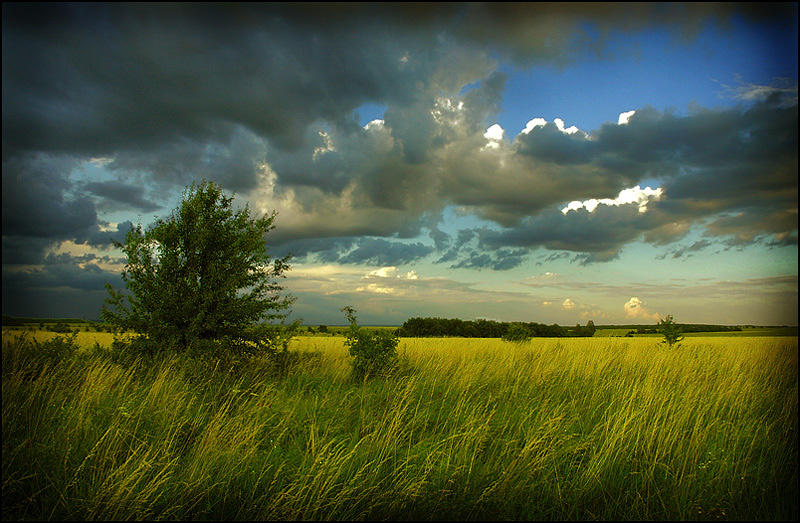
point(203, 273)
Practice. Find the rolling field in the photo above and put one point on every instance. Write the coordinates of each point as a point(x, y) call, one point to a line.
point(82, 339)
point(569, 428)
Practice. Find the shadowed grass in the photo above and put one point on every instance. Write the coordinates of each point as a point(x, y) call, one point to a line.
point(583, 428)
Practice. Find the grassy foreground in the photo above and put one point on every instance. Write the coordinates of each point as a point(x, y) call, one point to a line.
point(581, 428)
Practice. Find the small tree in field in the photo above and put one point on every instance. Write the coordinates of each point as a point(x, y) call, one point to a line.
point(374, 353)
point(200, 276)
point(670, 330)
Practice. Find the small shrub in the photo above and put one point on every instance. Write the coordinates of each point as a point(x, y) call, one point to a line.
point(60, 327)
point(58, 348)
point(25, 355)
point(374, 352)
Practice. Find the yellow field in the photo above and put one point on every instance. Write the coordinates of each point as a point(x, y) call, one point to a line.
point(554, 428)
point(83, 339)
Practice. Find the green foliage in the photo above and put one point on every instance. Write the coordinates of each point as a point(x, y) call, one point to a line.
point(587, 331)
point(374, 352)
point(517, 333)
point(429, 327)
point(670, 330)
point(37, 356)
point(200, 275)
point(60, 327)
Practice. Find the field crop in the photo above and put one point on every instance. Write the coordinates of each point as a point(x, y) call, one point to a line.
point(83, 339)
point(569, 428)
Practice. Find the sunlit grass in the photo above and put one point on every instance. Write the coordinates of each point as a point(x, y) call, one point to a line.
point(581, 428)
point(83, 339)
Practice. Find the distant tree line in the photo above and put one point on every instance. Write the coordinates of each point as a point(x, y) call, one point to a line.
point(454, 327)
point(691, 327)
point(12, 321)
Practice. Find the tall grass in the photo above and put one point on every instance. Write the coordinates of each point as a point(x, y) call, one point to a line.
point(582, 428)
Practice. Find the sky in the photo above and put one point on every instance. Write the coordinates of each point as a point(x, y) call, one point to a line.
point(555, 163)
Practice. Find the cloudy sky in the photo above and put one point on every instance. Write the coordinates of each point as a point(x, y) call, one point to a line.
point(532, 162)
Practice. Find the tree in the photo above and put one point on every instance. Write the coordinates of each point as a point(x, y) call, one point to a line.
point(670, 330)
point(201, 274)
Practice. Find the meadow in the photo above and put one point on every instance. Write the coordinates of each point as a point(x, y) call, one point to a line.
point(474, 429)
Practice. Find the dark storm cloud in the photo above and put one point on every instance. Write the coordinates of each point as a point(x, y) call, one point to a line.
point(463, 237)
point(499, 260)
point(63, 270)
point(98, 79)
point(122, 194)
point(733, 172)
point(103, 238)
point(377, 251)
point(606, 229)
point(104, 78)
point(366, 251)
point(60, 288)
point(721, 147)
point(24, 250)
point(686, 250)
point(326, 249)
point(37, 201)
point(233, 159)
point(548, 144)
point(542, 259)
point(553, 32)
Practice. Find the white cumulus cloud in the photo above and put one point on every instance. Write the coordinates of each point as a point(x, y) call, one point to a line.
point(376, 124)
point(377, 289)
point(494, 135)
point(635, 308)
point(533, 124)
point(636, 195)
point(625, 117)
point(391, 272)
point(569, 130)
point(541, 122)
point(568, 305)
point(383, 272)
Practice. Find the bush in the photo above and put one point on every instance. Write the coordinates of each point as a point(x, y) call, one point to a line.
point(58, 348)
point(60, 327)
point(23, 354)
point(374, 352)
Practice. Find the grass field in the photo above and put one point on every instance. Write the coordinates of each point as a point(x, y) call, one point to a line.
point(82, 339)
point(747, 332)
point(576, 428)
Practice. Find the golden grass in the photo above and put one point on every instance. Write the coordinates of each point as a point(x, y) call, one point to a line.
point(83, 339)
point(576, 428)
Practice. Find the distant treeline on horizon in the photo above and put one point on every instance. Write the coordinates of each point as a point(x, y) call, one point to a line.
point(453, 327)
point(12, 321)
